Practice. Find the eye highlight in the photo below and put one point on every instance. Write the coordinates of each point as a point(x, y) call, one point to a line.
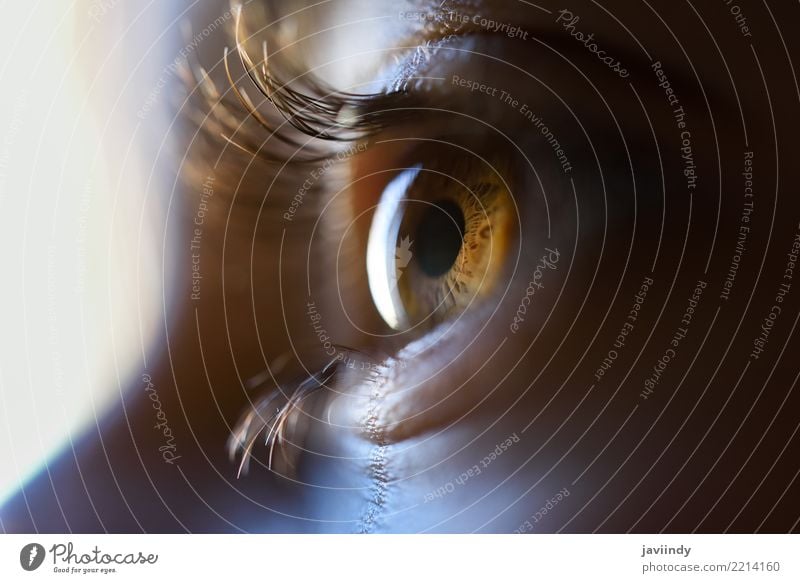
point(438, 241)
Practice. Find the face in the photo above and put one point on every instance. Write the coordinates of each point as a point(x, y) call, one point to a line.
point(473, 267)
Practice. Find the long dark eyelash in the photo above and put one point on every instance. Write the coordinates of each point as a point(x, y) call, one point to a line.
point(318, 111)
point(315, 112)
point(270, 415)
point(303, 126)
point(276, 415)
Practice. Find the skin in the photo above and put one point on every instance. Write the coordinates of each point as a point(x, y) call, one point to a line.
point(414, 446)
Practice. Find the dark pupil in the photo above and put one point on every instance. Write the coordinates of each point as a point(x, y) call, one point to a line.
point(439, 237)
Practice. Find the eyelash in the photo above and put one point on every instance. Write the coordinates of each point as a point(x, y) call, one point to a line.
point(321, 113)
point(306, 132)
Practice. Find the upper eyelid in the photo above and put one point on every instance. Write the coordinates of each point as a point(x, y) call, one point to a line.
point(319, 115)
point(318, 112)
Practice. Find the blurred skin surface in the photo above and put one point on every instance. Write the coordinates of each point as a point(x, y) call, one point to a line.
point(627, 395)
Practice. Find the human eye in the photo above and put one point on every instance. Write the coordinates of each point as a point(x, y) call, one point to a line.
point(399, 266)
point(439, 240)
point(450, 229)
point(460, 251)
point(472, 231)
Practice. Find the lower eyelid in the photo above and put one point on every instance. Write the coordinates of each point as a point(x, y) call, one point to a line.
point(434, 379)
